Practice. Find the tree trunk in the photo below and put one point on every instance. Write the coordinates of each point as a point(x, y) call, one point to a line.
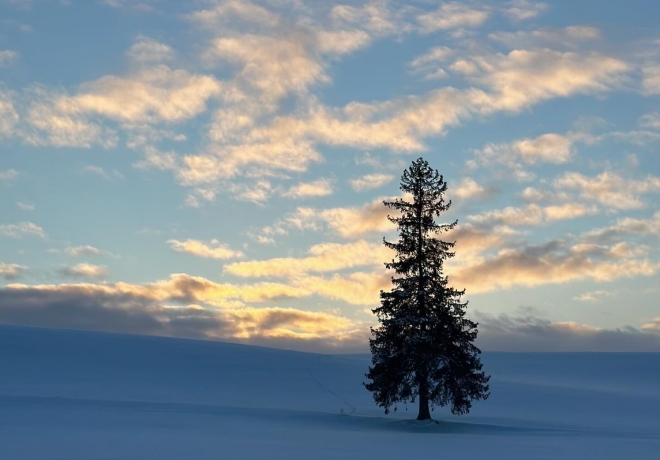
point(424, 413)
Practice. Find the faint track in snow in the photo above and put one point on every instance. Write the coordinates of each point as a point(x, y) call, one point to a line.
point(323, 387)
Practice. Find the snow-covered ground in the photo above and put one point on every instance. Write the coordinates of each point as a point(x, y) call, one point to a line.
point(85, 396)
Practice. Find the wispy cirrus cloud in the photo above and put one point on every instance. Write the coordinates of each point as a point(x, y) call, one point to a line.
point(212, 250)
point(8, 175)
point(652, 326)
point(570, 36)
point(324, 257)
point(651, 79)
point(347, 222)
point(147, 50)
point(22, 229)
point(609, 189)
point(592, 296)
point(7, 58)
point(226, 12)
point(533, 214)
point(522, 78)
point(97, 170)
point(8, 115)
point(144, 6)
point(452, 15)
point(650, 120)
point(469, 188)
point(319, 187)
point(83, 251)
point(11, 271)
point(85, 270)
point(154, 94)
point(430, 64)
point(516, 155)
point(25, 206)
point(273, 60)
point(520, 10)
point(370, 181)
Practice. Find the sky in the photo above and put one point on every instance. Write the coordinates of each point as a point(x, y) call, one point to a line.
point(216, 169)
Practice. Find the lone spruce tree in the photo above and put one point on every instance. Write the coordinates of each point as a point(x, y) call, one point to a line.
point(424, 347)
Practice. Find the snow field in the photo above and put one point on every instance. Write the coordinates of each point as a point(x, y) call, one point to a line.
point(85, 396)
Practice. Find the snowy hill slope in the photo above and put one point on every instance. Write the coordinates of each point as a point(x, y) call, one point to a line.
point(85, 395)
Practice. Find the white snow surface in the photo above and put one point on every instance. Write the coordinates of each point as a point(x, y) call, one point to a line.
point(84, 396)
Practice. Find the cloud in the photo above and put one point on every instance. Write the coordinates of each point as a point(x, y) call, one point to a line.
point(84, 270)
point(144, 6)
point(226, 13)
point(22, 229)
point(356, 288)
point(568, 211)
point(147, 50)
point(91, 169)
point(468, 188)
point(517, 80)
point(272, 65)
point(8, 175)
point(525, 77)
point(265, 119)
point(8, 115)
point(471, 240)
point(551, 263)
point(520, 10)
point(213, 250)
point(370, 182)
point(257, 192)
point(550, 148)
point(432, 56)
point(53, 119)
point(11, 271)
point(397, 125)
point(651, 79)
point(592, 296)
point(652, 326)
point(352, 222)
point(259, 157)
point(85, 250)
point(272, 60)
point(532, 214)
point(347, 222)
point(341, 41)
point(324, 257)
point(319, 187)
point(568, 36)
point(627, 226)
point(528, 332)
point(108, 308)
point(25, 206)
point(186, 289)
point(451, 16)
point(377, 18)
point(650, 120)
point(609, 189)
point(91, 308)
point(155, 94)
point(7, 58)
point(428, 64)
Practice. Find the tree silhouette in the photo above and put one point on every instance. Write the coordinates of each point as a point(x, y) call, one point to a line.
point(424, 346)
